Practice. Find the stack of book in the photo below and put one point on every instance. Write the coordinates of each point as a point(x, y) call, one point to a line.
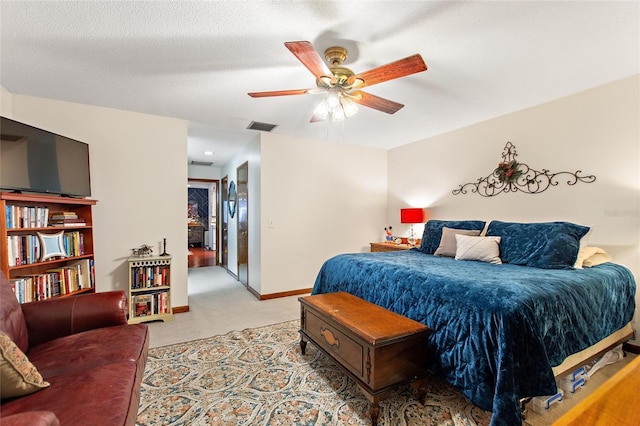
point(65, 219)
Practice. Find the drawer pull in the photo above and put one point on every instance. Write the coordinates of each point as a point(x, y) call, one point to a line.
point(329, 337)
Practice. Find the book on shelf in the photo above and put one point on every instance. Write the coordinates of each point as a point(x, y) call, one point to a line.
point(63, 215)
point(26, 249)
point(162, 302)
point(84, 272)
point(37, 287)
point(26, 217)
point(67, 222)
point(75, 276)
point(64, 277)
point(149, 276)
point(22, 249)
point(143, 305)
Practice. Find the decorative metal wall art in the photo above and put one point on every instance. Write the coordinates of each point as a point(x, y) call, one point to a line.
point(512, 176)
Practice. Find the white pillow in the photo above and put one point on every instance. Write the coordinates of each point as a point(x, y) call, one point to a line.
point(584, 242)
point(591, 256)
point(484, 249)
point(448, 240)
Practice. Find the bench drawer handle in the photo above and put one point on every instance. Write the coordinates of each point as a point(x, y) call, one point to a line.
point(329, 337)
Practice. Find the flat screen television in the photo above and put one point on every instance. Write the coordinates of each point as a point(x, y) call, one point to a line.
point(35, 160)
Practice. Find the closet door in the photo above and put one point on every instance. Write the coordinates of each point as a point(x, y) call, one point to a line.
point(242, 174)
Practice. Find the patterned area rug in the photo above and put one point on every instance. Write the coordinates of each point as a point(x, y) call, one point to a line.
point(259, 377)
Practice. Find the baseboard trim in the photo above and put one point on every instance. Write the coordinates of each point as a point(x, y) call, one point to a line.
point(282, 294)
point(180, 309)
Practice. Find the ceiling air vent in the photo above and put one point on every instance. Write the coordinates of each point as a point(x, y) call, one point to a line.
point(263, 127)
point(201, 163)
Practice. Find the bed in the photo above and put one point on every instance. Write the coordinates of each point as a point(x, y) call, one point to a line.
point(499, 325)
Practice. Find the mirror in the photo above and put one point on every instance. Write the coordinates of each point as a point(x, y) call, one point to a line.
point(232, 198)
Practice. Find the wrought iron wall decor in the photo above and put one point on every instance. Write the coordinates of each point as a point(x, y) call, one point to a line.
point(512, 176)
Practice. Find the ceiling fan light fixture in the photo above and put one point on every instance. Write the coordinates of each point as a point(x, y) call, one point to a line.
point(348, 106)
point(322, 110)
point(333, 98)
point(338, 114)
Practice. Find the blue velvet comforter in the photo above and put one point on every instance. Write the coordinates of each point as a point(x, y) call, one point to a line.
point(496, 329)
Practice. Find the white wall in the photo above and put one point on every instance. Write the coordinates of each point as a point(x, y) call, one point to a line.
point(596, 131)
point(138, 175)
point(322, 198)
point(203, 172)
point(6, 103)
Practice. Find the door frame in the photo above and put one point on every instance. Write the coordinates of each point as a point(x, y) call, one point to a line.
point(209, 183)
point(224, 230)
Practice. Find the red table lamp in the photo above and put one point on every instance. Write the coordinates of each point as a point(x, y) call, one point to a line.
point(412, 215)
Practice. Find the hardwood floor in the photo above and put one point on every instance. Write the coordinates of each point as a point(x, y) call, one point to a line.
point(201, 257)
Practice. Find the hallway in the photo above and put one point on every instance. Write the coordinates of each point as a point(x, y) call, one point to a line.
point(218, 304)
point(199, 257)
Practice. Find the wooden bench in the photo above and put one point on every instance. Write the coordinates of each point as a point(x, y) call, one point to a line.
point(379, 349)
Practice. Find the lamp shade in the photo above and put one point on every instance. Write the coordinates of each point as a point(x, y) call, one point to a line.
point(412, 215)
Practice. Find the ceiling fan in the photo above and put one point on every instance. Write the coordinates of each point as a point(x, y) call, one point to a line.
point(342, 85)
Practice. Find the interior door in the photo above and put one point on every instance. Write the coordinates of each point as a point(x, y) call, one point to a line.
point(224, 246)
point(242, 173)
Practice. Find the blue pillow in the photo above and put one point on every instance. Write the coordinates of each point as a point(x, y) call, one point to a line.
point(546, 245)
point(433, 232)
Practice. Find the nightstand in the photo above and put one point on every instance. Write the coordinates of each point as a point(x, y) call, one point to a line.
point(388, 247)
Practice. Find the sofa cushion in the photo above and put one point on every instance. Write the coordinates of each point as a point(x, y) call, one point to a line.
point(108, 395)
point(12, 322)
point(18, 377)
point(31, 418)
point(90, 349)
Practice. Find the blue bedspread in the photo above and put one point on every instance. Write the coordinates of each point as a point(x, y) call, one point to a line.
point(497, 329)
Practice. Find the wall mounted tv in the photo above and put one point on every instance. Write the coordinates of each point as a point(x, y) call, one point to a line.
point(35, 160)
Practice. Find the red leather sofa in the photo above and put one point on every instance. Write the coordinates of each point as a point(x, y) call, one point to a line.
point(83, 346)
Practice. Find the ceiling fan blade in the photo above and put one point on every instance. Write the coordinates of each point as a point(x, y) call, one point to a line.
point(305, 52)
point(375, 102)
point(279, 93)
point(391, 71)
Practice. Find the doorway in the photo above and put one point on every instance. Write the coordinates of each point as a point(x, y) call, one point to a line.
point(202, 222)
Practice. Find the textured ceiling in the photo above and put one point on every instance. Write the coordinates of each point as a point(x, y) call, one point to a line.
point(197, 60)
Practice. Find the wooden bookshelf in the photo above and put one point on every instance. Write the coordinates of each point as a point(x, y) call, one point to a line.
point(149, 289)
point(24, 233)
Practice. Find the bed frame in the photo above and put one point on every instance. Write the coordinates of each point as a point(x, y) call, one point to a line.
point(574, 361)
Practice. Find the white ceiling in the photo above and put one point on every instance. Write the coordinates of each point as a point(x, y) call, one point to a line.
point(197, 60)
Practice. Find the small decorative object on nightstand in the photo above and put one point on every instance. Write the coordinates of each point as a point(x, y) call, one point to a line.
point(411, 216)
point(389, 236)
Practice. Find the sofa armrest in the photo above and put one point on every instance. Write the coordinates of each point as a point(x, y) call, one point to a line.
point(31, 418)
point(54, 318)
